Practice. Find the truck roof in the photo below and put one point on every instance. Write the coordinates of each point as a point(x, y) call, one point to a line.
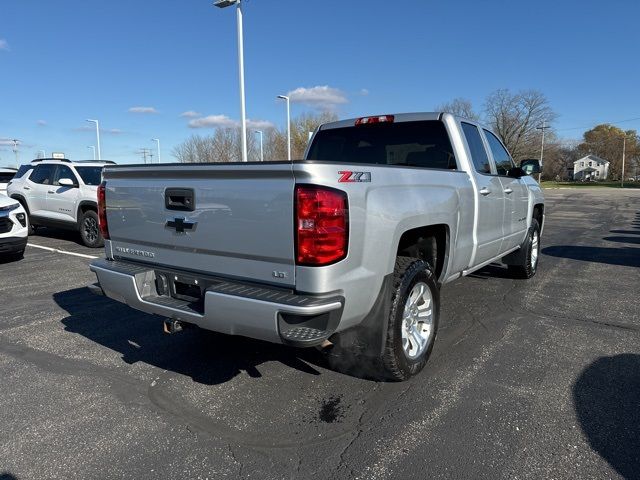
point(397, 117)
point(87, 163)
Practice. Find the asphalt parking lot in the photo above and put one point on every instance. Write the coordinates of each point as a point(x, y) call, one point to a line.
point(528, 379)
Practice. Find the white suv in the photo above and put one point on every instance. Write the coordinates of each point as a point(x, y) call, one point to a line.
point(63, 194)
point(13, 227)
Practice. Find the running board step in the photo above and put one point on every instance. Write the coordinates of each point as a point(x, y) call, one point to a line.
point(305, 336)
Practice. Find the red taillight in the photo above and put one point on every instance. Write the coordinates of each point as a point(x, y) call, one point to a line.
point(102, 211)
point(377, 119)
point(322, 219)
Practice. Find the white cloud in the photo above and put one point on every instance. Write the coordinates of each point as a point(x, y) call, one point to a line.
point(143, 110)
point(113, 131)
point(190, 114)
point(213, 121)
point(41, 123)
point(5, 142)
point(364, 92)
point(321, 97)
point(4, 45)
point(259, 124)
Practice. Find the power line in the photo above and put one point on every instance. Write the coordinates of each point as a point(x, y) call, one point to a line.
point(598, 123)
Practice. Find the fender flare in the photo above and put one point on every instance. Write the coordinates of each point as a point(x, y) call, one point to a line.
point(85, 203)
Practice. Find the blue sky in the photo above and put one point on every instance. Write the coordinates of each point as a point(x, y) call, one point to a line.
point(62, 62)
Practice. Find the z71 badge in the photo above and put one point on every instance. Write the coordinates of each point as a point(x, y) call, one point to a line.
point(351, 177)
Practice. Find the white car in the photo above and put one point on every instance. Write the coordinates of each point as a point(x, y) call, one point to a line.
point(6, 174)
point(14, 227)
point(60, 193)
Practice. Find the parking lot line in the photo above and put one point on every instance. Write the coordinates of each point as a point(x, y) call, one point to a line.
point(61, 251)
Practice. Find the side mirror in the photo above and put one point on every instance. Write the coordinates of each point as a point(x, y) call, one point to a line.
point(66, 182)
point(531, 166)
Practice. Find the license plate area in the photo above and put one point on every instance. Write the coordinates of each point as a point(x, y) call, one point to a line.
point(186, 288)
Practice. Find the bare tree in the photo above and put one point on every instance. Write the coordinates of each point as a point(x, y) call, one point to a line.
point(515, 118)
point(221, 147)
point(460, 107)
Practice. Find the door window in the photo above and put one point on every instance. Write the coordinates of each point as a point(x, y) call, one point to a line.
point(43, 174)
point(64, 172)
point(501, 157)
point(476, 148)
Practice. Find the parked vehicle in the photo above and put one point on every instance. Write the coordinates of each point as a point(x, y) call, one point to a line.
point(347, 249)
point(6, 174)
point(13, 228)
point(63, 194)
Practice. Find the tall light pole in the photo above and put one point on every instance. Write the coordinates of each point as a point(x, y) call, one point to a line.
point(44, 154)
point(624, 151)
point(97, 135)
point(261, 149)
point(15, 151)
point(243, 114)
point(93, 149)
point(284, 97)
point(157, 140)
point(543, 128)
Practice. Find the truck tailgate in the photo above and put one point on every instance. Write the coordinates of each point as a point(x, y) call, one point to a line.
point(239, 223)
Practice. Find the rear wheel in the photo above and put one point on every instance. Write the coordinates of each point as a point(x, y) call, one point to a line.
point(90, 231)
point(413, 319)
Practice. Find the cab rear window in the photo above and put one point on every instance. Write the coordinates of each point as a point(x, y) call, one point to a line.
point(422, 144)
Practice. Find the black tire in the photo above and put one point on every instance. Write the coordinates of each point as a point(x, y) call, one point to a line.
point(527, 263)
point(396, 365)
point(90, 231)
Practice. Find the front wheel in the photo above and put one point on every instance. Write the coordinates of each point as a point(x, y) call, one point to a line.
point(90, 231)
point(413, 319)
point(527, 263)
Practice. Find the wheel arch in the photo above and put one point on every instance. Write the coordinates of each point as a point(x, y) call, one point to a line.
point(429, 243)
point(83, 206)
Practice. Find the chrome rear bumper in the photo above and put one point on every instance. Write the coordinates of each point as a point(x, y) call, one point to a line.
point(231, 307)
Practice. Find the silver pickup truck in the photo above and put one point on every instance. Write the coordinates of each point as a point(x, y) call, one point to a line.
point(346, 250)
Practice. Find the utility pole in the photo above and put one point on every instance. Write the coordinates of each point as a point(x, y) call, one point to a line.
point(624, 151)
point(144, 152)
point(543, 128)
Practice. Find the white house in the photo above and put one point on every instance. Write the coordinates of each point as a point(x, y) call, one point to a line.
point(590, 167)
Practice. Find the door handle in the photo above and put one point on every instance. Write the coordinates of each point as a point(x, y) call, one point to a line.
point(485, 191)
point(26, 188)
point(51, 191)
point(508, 190)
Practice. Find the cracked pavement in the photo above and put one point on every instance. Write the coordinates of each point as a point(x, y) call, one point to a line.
point(528, 379)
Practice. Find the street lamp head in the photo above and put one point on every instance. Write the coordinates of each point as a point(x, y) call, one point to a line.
point(283, 97)
point(154, 140)
point(92, 121)
point(225, 3)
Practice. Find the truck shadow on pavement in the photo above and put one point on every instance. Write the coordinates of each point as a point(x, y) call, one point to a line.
point(207, 357)
point(623, 256)
point(607, 402)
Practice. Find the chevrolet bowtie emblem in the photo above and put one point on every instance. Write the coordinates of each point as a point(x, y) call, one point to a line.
point(181, 225)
